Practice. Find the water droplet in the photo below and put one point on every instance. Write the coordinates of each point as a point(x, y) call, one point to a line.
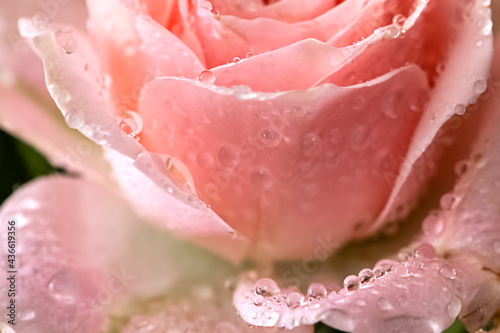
point(359, 138)
point(204, 160)
point(485, 26)
point(207, 77)
point(365, 275)
point(228, 157)
point(425, 251)
point(236, 59)
point(233, 235)
point(316, 290)
point(65, 286)
point(403, 300)
point(392, 104)
point(460, 109)
point(66, 41)
point(249, 55)
point(351, 282)
point(399, 20)
point(448, 271)
point(392, 32)
point(433, 225)
point(206, 5)
point(311, 144)
point(384, 304)
point(449, 201)
point(294, 300)
point(258, 300)
point(270, 137)
point(179, 174)
point(378, 271)
point(480, 87)
point(75, 118)
point(131, 123)
point(266, 287)
point(462, 167)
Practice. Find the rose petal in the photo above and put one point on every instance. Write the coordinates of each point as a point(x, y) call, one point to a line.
point(420, 295)
point(264, 158)
point(81, 252)
point(285, 10)
point(224, 37)
point(459, 85)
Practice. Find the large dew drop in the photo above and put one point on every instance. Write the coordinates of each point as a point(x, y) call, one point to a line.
point(131, 123)
point(266, 287)
point(316, 290)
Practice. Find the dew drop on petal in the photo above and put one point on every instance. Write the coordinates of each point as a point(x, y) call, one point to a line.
point(480, 87)
point(365, 275)
point(461, 167)
point(316, 290)
point(460, 109)
point(399, 20)
point(206, 5)
point(485, 26)
point(228, 157)
point(294, 300)
point(270, 137)
point(66, 41)
point(131, 123)
point(454, 307)
point(266, 287)
point(449, 201)
point(448, 271)
point(433, 225)
point(207, 77)
point(75, 118)
point(65, 286)
point(311, 144)
point(384, 304)
point(258, 300)
point(26, 315)
point(425, 251)
point(351, 282)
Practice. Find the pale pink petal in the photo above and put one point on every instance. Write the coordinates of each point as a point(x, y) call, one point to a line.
point(285, 10)
point(423, 294)
point(83, 255)
point(76, 85)
point(268, 162)
point(460, 83)
point(224, 37)
point(16, 57)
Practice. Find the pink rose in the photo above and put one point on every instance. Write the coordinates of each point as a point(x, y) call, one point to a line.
point(276, 131)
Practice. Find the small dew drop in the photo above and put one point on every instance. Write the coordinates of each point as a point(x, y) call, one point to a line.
point(425, 251)
point(351, 282)
point(131, 123)
point(392, 32)
point(449, 201)
point(433, 225)
point(378, 271)
point(460, 109)
point(270, 137)
point(249, 55)
point(399, 20)
point(66, 41)
point(236, 59)
point(266, 287)
point(75, 118)
point(461, 167)
point(65, 287)
point(294, 300)
point(480, 87)
point(311, 144)
point(316, 290)
point(206, 5)
point(207, 77)
point(366, 275)
point(258, 300)
point(485, 26)
point(448, 271)
point(403, 300)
